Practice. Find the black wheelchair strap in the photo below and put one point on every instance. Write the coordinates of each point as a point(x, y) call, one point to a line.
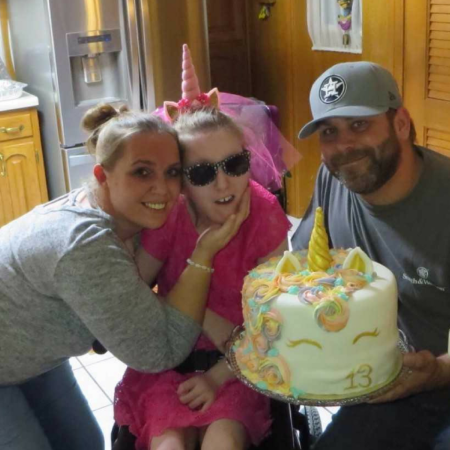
point(199, 361)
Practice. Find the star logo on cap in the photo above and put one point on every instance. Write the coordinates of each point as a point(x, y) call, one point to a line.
point(332, 89)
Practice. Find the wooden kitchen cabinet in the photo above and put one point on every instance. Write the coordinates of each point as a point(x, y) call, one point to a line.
point(22, 175)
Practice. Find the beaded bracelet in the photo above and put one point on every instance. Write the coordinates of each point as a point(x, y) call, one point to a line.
point(199, 266)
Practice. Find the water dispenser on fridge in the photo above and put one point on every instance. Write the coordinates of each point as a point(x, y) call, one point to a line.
point(94, 65)
point(95, 75)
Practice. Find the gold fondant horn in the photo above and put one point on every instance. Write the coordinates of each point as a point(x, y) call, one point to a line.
point(319, 258)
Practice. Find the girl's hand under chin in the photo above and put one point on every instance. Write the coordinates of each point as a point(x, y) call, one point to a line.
point(217, 237)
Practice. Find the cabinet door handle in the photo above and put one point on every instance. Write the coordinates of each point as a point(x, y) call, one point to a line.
point(11, 130)
point(2, 166)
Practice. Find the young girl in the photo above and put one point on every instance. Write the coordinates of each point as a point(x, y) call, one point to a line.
point(171, 409)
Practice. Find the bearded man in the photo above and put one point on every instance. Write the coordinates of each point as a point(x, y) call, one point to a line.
point(383, 193)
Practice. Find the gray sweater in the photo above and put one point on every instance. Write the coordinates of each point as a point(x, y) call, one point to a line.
point(66, 279)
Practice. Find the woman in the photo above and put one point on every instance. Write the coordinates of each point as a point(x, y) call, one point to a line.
point(68, 277)
point(176, 409)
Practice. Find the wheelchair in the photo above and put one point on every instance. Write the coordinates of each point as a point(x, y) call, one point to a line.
point(293, 427)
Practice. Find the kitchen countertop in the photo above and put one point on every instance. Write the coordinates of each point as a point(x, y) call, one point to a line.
point(25, 101)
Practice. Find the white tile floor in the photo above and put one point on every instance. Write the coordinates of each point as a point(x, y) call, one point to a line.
point(99, 374)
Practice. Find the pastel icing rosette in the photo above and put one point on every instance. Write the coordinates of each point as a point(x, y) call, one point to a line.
point(272, 325)
point(286, 281)
point(353, 286)
point(261, 344)
point(265, 293)
point(310, 296)
point(275, 372)
point(255, 322)
point(272, 375)
point(249, 362)
point(332, 314)
point(243, 347)
point(353, 281)
point(327, 281)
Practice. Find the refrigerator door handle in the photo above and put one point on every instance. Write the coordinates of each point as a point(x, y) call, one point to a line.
point(146, 57)
point(133, 46)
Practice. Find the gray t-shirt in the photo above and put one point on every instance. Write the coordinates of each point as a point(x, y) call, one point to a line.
point(66, 279)
point(411, 237)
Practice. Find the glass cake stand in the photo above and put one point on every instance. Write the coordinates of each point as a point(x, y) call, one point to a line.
point(403, 373)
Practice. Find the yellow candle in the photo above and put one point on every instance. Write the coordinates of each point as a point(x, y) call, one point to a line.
point(319, 258)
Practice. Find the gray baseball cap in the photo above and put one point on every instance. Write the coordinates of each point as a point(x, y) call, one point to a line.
point(358, 89)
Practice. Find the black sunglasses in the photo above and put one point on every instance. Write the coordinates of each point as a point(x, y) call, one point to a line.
point(205, 173)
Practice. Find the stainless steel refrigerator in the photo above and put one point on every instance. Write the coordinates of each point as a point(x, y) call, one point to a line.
point(74, 54)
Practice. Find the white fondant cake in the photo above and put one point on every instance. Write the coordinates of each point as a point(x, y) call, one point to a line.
point(325, 335)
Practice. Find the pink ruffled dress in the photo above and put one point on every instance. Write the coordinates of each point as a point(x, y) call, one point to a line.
point(149, 403)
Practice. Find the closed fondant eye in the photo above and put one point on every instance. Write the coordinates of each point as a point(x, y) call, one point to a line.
point(373, 333)
point(293, 344)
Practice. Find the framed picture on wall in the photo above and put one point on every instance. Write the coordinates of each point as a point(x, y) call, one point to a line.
point(335, 25)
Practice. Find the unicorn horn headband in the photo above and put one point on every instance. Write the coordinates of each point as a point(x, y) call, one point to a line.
point(191, 96)
point(190, 88)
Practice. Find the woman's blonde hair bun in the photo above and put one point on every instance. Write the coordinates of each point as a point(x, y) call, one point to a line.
point(98, 115)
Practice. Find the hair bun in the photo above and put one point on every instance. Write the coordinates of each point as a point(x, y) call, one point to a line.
point(97, 116)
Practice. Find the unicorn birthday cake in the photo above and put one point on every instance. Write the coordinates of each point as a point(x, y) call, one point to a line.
point(319, 324)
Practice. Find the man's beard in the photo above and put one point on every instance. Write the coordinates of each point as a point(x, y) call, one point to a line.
point(367, 176)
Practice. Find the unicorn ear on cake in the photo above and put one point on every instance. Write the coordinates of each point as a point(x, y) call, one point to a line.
point(191, 96)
